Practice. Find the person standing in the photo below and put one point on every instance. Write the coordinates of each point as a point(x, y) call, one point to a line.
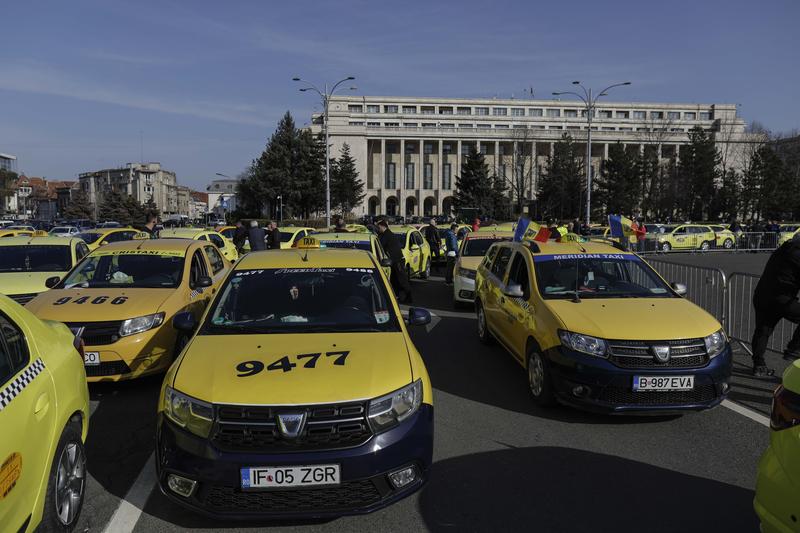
point(340, 226)
point(640, 232)
point(274, 236)
point(399, 277)
point(257, 237)
point(431, 234)
point(239, 236)
point(775, 298)
point(150, 224)
point(451, 250)
point(476, 224)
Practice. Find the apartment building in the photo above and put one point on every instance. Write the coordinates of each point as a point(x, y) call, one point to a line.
point(143, 181)
point(409, 150)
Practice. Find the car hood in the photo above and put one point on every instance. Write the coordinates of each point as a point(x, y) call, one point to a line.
point(25, 282)
point(470, 263)
point(635, 318)
point(377, 363)
point(138, 302)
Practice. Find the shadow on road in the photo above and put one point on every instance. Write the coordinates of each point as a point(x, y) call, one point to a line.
point(562, 489)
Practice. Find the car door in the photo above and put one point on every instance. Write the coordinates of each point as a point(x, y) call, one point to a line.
point(217, 265)
point(514, 312)
point(415, 252)
point(198, 296)
point(494, 290)
point(377, 250)
point(27, 419)
point(680, 237)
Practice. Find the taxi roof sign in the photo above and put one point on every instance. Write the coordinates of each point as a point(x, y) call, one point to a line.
point(141, 236)
point(306, 243)
point(40, 233)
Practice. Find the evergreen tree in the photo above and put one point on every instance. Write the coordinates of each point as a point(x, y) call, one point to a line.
point(561, 187)
point(619, 184)
point(698, 172)
point(347, 191)
point(308, 174)
point(151, 207)
point(79, 207)
point(778, 191)
point(728, 196)
point(473, 186)
point(121, 208)
point(7, 179)
point(500, 200)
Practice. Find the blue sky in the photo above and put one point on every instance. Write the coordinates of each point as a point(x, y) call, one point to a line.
point(206, 81)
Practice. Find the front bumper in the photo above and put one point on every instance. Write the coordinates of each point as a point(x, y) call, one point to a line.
point(364, 484)
point(608, 388)
point(143, 354)
point(463, 289)
point(777, 499)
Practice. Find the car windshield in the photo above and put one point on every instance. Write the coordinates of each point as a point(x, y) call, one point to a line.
point(228, 232)
point(89, 238)
point(127, 269)
point(789, 228)
point(597, 276)
point(287, 236)
point(31, 258)
point(302, 300)
point(478, 247)
point(346, 243)
point(60, 230)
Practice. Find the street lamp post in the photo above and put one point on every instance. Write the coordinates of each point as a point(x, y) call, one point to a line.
point(326, 96)
point(280, 216)
point(589, 102)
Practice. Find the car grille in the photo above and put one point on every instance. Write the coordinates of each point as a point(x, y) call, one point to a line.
point(98, 333)
point(348, 495)
point(330, 426)
point(624, 395)
point(108, 368)
point(22, 299)
point(684, 353)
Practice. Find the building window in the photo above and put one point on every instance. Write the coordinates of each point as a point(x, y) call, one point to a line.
point(501, 171)
point(537, 127)
point(583, 113)
point(573, 127)
point(642, 129)
point(626, 129)
point(390, 109)
point(571, 113)
point(690, 115)
point(465, 148)
point(482, 148)
point(409, 124)
point(484, 126)
point(535, 112)
point(656, 115)
point(373, 109)
point(355, 123)
point(520, 127)
point(446, 176)
point(428, 110)
point(447, 125)
point(605, 128)
point(705, 115)
point(640, 115)
point(481, 110)
point(464, 111)
point(391, 124)
point(445, 110)
point(410, 109)
point(605, 113)
point(517, 112)
point(427, 148)
point(502, 149)
point(465, 125)
point(373, 124)
point(428, 176)
point(555, 128)
point(391, 182)
point(623, 114)
point(553, 113)
point(501, 126)
point(355, 108)
point(676, 130)
point(499, 111)
point(447, 148)
point(428, 124)
point(411, 147)
point(674, 115)
point(409, 175)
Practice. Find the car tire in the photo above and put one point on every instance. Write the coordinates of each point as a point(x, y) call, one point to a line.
point(705, 245)
point(728, 244)
point(427, 272)
point(539, 382)
point(666, 247)
point(484, 335)
point(68, 469)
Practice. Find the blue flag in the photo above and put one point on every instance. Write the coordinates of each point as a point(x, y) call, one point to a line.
point(522, 227)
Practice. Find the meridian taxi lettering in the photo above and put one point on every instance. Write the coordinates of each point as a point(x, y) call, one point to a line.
point(560, 257)
point(97, 300)
point(251, 368)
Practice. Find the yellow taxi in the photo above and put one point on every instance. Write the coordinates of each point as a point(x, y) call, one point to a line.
point(30, 265)
point(603, 233)
point(226, 231)
point(16, 233)
point(280, 406)
point(777, 500)
point(291, 234)
point(225, 246)
point(470, 254)
point(787, 232)
point(597, 328)
point(356, 241)
point(416, 251)
point(122, 297)
point(357, 228)
point(94, 238)
point(493, 228)
point(44, 416)
point(725, 237)
point(685, 237)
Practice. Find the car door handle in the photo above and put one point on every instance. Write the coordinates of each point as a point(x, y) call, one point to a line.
point(42, 405)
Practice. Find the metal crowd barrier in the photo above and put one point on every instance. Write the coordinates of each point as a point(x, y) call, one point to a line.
point(742, 242)
point(705, 286)
point(742, 317)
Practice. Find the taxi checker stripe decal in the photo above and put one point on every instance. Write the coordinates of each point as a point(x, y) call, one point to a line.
point(18, 385)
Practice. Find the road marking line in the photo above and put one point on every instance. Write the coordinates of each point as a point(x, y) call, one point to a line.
point(130, 508)
point(746, 411)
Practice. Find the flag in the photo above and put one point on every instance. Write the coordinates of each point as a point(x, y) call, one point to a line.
point(522, 227)
point(620, 226)
point(535, 232)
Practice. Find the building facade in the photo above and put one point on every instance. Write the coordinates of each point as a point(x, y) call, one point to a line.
point(222, 197)
point(143, 181)
point(409, 151)
point(8, 162)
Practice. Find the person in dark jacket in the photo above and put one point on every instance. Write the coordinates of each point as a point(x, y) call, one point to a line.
point(340, 226)
point(775, 298)
point(257, 237)
point(150, 224)
point(431, 234)
point(451, 250)
point(274, 236)
point(391, 246)
point(239, 236)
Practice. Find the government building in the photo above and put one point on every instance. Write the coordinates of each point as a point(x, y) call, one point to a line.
point(408, 151)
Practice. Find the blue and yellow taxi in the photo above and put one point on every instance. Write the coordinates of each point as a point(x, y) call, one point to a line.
point(281, 406)
point(121, 299)
point(597, 328)
point(416, 251)
point(44, 421)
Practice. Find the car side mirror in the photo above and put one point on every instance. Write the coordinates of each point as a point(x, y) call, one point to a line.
point(204, 281)
point(679, 288)
point(386, 262)
point(514, 290)
point(418, 316)
point(184, 322)
point(102, 243)
point(51, 282)
point(415, 246)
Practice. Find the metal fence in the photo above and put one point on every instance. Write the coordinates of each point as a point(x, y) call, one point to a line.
point(739, 242)
point(705, 286)
point(742, 317)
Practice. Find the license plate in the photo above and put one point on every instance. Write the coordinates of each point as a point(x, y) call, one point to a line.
point(267, 477)
point(91, 358)
point(663, 383)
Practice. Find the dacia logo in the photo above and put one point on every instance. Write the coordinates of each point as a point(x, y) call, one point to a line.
point(291, 424)
point(661, 353)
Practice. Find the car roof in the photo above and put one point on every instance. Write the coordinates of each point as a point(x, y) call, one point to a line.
point(105, 231)
point(343, 235)
point(307, 258)
point(38, 241)
point(553, 247)
point(165, 245)
point(187, 232)
point(477, 235)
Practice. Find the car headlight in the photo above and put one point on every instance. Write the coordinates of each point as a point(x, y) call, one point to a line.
point(715, 343)
point(467, 273)
point(584, 343)
point(189, 413)
point(132, 326)
point(388, 411)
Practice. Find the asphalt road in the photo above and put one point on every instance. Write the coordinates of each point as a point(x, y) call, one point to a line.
point(501, 463)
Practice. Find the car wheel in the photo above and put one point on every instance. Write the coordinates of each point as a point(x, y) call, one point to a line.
point(483, 328)
point(66, 485)
point(427, 272)
point(666, 247)
point(539, 379)
point(728, 244)
point(705, 245)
